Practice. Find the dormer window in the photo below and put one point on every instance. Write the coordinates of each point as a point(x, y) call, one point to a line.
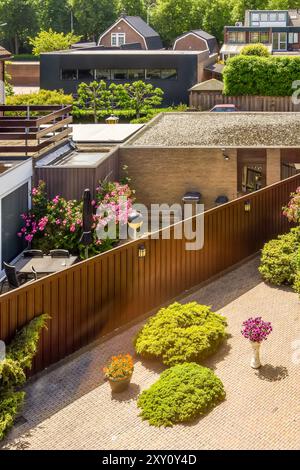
point(117, 39)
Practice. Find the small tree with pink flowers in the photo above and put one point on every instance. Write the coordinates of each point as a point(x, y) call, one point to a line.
point(292, 210)
point(57, 222)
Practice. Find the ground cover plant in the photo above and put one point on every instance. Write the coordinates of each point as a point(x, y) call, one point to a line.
point(18, 360)
point(182, 393)
point(181, 333)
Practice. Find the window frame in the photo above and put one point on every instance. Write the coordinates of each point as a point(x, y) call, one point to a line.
point(117, 37)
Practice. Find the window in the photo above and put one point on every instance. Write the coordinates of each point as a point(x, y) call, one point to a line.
point(169, 74)
point(255, 16)
point(69, 74)
point(264, 17)
point(273, 17)
point(153, 74)
point(264, 38)
point(85, 74)
point(281, 17)
point(254, 37)
point(119, 74)
point(293, 38)
point(102, 74)
point(236, 37)
point(136, 74)
point(117, 39)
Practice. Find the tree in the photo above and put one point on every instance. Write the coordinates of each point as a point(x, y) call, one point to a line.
point(215, 15)
point(171, 18)
point(132, 7)
point(21, 19)
point(47, 41)
point(256, 50)
point(54, 14)
point(139, 96)
point(94, 96)
point(93, 17)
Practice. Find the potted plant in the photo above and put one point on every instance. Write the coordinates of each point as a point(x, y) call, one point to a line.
point(256, 330)
point(119, 372)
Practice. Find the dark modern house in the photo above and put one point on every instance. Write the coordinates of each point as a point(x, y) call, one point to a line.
point(131, 50)
point(279, 30)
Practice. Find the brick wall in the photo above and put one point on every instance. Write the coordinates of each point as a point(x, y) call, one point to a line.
point(163, 175)
point(123, 27)
point(190, 42)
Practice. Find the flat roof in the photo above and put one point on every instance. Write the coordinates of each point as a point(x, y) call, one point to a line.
point(204, 129)
point(124, 52)
point(104, 133)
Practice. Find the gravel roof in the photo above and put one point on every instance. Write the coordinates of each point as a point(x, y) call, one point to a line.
point(222, 129)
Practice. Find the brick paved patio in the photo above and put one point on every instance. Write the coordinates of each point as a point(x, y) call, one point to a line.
point(72, 408)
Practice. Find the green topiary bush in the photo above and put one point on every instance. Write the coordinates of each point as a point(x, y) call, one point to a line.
point(255, 49)
point(19, 356)
point(10, 404)
point(279, 258)
point(181, 333)
point(182, 393)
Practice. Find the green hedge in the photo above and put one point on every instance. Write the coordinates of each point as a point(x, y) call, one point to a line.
point(182, 393)
point(256, 50)
point(181, 333)
point(261, 76)
point(19, 356)
point(279, 258)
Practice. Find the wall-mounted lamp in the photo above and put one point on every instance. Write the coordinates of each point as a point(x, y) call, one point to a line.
point(226, 157)
point(247, 206)
point(142, 251)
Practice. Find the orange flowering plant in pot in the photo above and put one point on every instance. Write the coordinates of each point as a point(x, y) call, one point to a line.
point(119, 372)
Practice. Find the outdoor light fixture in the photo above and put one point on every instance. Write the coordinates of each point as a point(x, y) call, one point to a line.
point(221, 200)
point(247, 205)
point(112, 119)
point(226, 157)
point(142, 251)
point(135, 221)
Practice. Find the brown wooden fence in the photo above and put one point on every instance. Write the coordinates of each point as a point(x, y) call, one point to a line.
point(207, 100)
point(97, 296)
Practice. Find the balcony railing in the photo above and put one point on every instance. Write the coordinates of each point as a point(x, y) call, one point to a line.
point(26, 130)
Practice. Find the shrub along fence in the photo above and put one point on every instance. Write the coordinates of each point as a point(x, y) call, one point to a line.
point(97, 296)
point(206, 100)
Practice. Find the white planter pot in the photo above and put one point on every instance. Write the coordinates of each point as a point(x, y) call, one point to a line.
point(255, 361)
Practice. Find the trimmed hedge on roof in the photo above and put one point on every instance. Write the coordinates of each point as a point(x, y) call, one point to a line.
point(261, 76)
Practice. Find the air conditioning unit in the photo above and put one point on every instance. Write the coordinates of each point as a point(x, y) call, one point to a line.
point(239, 23)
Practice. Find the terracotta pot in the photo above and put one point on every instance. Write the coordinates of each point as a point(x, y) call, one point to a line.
point(118, 386)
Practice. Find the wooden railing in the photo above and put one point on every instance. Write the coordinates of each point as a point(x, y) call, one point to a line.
point(30, 129)
point(99, 295)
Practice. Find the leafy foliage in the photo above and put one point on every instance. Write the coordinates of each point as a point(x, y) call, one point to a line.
point(94, 96)
point(268, 76)
point(41, 97)
point(256, 50)
point(182, 393)
point(10, 404)
point(138, 96)
point(279, 258)
point(181, 333)
point(19, 356)
point(48, 41)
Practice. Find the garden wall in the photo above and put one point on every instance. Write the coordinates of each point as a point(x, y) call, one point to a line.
point(204, 101)
point(98, 296)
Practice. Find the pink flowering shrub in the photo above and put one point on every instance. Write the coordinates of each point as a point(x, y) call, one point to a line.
point(292, 210)
point(256, 330)
point(57, 223)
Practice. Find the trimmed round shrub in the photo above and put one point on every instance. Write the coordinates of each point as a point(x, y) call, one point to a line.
point(279, 259)
point(182, 393)
point(181, 333)
point(255, 49)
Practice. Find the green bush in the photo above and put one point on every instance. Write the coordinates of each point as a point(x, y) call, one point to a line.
point(181, 333)
point(10, 404)
point(182, 393)
point(256, 50)
point(279, 258)
point(19, 355)
point(42, 97)
point(261, 76)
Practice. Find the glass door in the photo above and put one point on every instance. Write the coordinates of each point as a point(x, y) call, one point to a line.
point(279, 41)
